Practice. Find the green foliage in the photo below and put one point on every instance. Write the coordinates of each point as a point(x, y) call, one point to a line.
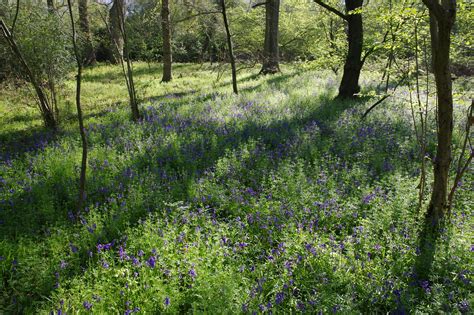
point(274, 200)
point(44, 44)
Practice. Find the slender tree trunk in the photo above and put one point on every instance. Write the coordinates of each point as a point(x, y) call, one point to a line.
point(441, 27)
point(116, 34)
point(442, 17)
point(47, 111)
point(353, 64)
point(128, 73)
point(230, 48)
point(79, 60)
point(89, 53)
point(271, 57)
point(166, 29)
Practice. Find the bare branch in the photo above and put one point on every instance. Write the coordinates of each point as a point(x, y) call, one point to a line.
point(331, 9)
point(384, 97)
point(461, 168)
point(375, 104)
point(259, 4)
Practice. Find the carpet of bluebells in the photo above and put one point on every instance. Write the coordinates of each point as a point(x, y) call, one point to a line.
point(279, 200)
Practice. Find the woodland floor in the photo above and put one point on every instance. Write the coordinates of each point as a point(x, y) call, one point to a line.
point(280, 199)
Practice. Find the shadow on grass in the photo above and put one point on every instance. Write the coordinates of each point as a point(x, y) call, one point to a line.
point(16, 143)
point(174, 168)
point(115, 72)
point(192, 160)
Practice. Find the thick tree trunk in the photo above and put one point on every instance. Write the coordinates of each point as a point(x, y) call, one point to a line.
point(353, 64)
point(271, 56)
point(166, 29)
point(88, 54)
point(441, 42)
point(118, 7)
point(230, 48)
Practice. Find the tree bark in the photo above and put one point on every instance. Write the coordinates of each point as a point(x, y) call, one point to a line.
point(230, 48)
point(79, 60)
point(271, 58)
point(350, 79)
point(89, 53)
point(442, 17)
point(115, 33)
point(50, 5)
point(166, 33)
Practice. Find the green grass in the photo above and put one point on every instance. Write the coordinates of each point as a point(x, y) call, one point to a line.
point(279, 199)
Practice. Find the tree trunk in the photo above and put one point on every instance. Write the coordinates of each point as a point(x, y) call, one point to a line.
point(441, 26)
point(353, 64)
point(115, 33)
point(50, 4)
point(79, 59)
point(271, 56)
point(166, 29)
point(88, 54)
point(128, 72)
point(229, 45)
point(47, 111)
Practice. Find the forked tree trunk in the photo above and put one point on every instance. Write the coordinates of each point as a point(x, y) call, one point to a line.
point(89, 54)
point(442, 17)
point(271, 57)
point(230, 48)
point(166, 29)
point(353, 64)
point(355, 38)
point(115, 32)
point(128, 72)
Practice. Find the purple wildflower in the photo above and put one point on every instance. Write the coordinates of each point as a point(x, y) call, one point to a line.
point(87, 305)
point(74, 248)
point(122, 253)
point(151, 262)
point(463, 306)
point(280, 296)
point(366, 200)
